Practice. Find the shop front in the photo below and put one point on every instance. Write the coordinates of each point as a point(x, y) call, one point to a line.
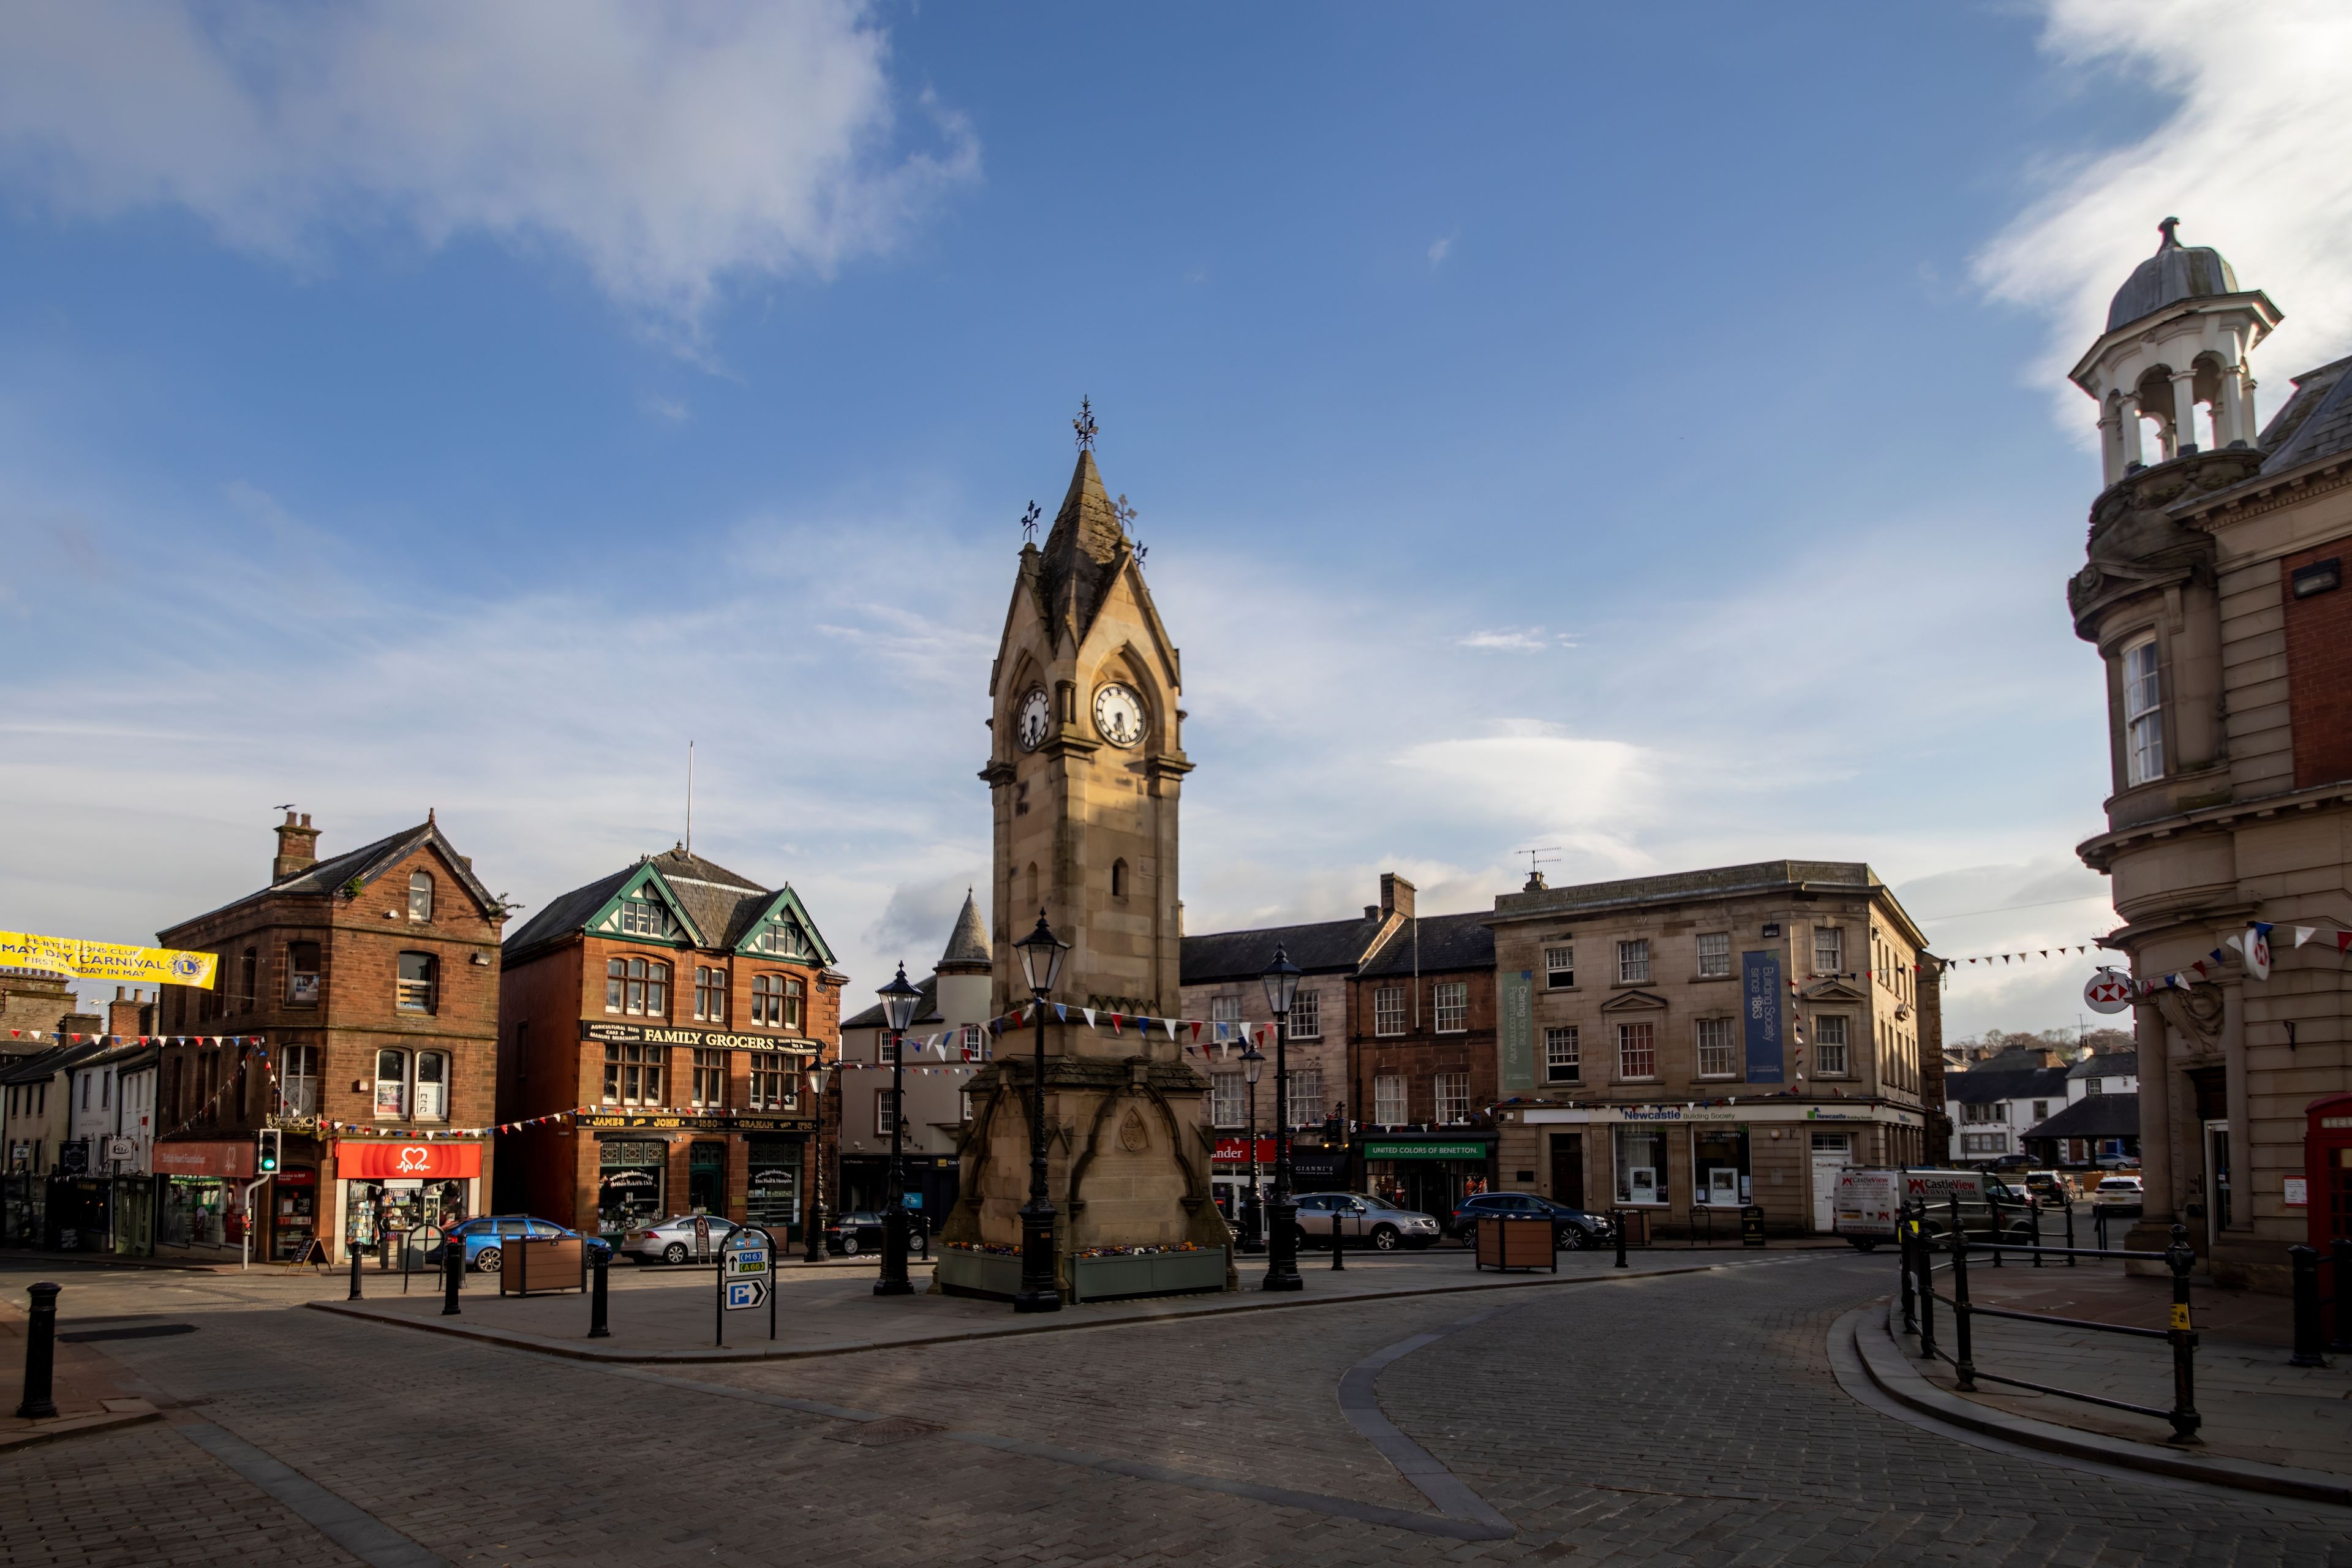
point(632, 1174)
point(1431, 1175)
point(392, 1195)
point(80, 1214)
point(773, 1196)
point(201, 1187)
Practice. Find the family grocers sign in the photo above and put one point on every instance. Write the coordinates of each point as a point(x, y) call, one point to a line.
point(381, 1161)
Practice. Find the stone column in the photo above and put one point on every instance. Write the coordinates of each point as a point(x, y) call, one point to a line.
point(2135, 451)
point(2111, 444)
point(2184, 412)
point(2156, 1087)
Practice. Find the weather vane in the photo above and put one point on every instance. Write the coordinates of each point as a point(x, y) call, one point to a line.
point(1085, 425)
point(1029, 524)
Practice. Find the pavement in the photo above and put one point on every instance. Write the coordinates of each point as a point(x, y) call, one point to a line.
point(1685, 1418)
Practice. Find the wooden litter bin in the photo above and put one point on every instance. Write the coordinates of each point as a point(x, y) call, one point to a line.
point(530, 1266)
point(1506, 1243)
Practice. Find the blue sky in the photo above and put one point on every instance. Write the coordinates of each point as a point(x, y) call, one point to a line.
point(1551, 427)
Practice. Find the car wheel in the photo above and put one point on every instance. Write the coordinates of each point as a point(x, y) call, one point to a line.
point(1863, 1243)
point(1385, 1237)
point(1571, 1240)
point(849, 1246)
point(487, 1260)
point(674, 1253)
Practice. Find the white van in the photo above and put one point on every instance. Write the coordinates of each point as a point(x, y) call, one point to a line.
point(1868, 1205)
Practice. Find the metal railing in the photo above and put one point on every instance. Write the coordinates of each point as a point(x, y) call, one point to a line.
point(1919, 1298)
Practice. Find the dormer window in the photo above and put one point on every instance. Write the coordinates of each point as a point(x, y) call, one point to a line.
point(420, 895)
point(782, 937)
point(646, 917)
point(2143, 714)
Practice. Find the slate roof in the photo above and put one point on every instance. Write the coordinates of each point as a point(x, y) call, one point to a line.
point(368, 862)
point(2315, 423)
point(1985, 1085)
point(1326, 947)
point(2107, 1064)
point(38, 1067)
point(967, 943)
point(2094, 1116)
point(2176, 272)
point(1446, 941)
point(926, 1011)
point(722, 904)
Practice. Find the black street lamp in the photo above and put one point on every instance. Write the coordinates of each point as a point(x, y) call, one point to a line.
point(813, 1222)
point(898, 1000)
point(1252, 1212)
point(1281, 982)
point(1041, 965)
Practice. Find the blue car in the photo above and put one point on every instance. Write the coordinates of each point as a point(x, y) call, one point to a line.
point(484, 1239)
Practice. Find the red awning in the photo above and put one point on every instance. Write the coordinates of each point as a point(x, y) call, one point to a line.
point(377, 1162)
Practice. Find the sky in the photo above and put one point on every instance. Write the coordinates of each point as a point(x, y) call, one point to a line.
point(1638, 435)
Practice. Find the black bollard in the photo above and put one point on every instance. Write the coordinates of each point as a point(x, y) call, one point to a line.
point(1964, 1365)
point(2183, 1416)
point(2303, 1269)
point(2339, 1279)
point(2069, 1204)
point(1339, 1260)
point(597, 1328)
point(1926, 1255)
point(355, 1250)
point(2034, 1217)
point(40, 1354)
point(1905, 1259)
point(452, 1271)
point(1618, 1218)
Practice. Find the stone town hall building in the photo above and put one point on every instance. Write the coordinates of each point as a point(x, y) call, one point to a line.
point(2214, 590)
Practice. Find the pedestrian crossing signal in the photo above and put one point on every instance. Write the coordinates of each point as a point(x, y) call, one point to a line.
point(266, 1151)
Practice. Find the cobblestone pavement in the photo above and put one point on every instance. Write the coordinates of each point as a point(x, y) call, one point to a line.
point(1687, 1419)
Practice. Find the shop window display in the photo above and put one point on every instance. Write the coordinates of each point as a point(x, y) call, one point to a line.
point(631, 1176)
point(1719, 1166)
point(1642, 1165)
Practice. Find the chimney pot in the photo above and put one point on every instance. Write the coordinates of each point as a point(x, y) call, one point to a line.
point(298, 847)
point(1396, 894)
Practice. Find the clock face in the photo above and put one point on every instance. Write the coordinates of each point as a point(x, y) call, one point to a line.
point(1036, 716)
point(1119, 715)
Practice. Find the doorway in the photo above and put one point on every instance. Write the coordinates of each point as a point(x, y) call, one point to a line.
point(706, 1178)
point(1568, 1169)
point(1832, 1152)
point(2217, 1182)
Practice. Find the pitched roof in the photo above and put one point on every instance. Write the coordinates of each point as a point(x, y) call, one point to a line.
point(564, 913)
point(1435, 942)
point(362, 864)
point(1985, 1085)
point(967, 943)
point(723, 905)
point(2315, 423)
point(37, 1065)
point(1326, 947)
point(2107, 1064)
point(1716, 883)
point(2094, 1116)
point(926, 1011)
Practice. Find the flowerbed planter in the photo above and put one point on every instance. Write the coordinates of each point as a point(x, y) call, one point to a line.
point(1149, 1273)
point(996, 1275)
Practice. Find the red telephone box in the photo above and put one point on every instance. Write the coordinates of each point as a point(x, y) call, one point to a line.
point(2327, 1168)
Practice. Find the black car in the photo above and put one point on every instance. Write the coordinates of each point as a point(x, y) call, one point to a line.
point(1572, 1228)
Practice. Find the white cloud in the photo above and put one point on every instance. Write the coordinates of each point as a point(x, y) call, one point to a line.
point(1509, 640)
point(669, 152)
point(2256, 158)
point(1439, 251)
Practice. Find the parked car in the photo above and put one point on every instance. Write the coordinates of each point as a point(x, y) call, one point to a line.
point(1363, 1219)
point(672, 1240)
point(2050, 1186)
point(853, 1233)
point(485, 1239)
point(1572, 1228)
point(2121, 1193)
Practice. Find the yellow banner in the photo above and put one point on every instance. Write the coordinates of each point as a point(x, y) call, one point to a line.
point(78, 960)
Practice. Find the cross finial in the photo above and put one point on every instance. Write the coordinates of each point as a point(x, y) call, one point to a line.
point(1029, 524)
point(1085, 425)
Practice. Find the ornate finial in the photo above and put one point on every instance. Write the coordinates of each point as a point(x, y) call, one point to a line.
point(1124, 512)
point(2171, 240)
point(1085, 425)
point(1029, 524)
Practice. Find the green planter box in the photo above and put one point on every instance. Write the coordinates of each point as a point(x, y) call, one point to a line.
point(992, 1274)
point(1152, 1274)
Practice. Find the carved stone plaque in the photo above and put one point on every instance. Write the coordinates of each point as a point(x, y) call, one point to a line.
point(1131, 1135)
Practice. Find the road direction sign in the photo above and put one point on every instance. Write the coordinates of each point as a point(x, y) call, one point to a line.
point(745, 1262)
point(742, 1295)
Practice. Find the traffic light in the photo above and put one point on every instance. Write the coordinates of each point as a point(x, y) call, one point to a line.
point(266, 1145)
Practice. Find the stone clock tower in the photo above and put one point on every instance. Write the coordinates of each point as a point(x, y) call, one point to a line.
point(1085, 767)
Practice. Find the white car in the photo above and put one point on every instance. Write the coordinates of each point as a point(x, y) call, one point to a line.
point(672, 1240)
point(2119, 1192)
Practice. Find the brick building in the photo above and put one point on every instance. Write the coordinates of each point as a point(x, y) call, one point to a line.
point(676, 1008)
point(1690, 1044)
point(372, 979)
point(1421, 1039)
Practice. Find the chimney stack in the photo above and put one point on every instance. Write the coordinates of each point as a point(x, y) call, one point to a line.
point(1396, 895)
point(298, 847)
point(123, 1014)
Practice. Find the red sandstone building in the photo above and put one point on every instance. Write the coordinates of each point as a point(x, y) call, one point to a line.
point(1421, 1059)
point(371, 981)
point(673, 1010)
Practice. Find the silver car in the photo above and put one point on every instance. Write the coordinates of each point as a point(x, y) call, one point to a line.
point(1364, 1220)
point(672, 1240)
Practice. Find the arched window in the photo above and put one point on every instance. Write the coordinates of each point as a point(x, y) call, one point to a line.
point(637, 986)
point(1119, 878)
point(420, 895)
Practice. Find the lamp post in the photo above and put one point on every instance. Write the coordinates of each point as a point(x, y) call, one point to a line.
point(1254, 1214)
point(898, 1000)
point(1041, 965)
point(1281, 982)
point(813, 1223)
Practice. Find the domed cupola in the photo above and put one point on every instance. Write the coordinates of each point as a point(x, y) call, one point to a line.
point(2176, 272)
point(2179, 332)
